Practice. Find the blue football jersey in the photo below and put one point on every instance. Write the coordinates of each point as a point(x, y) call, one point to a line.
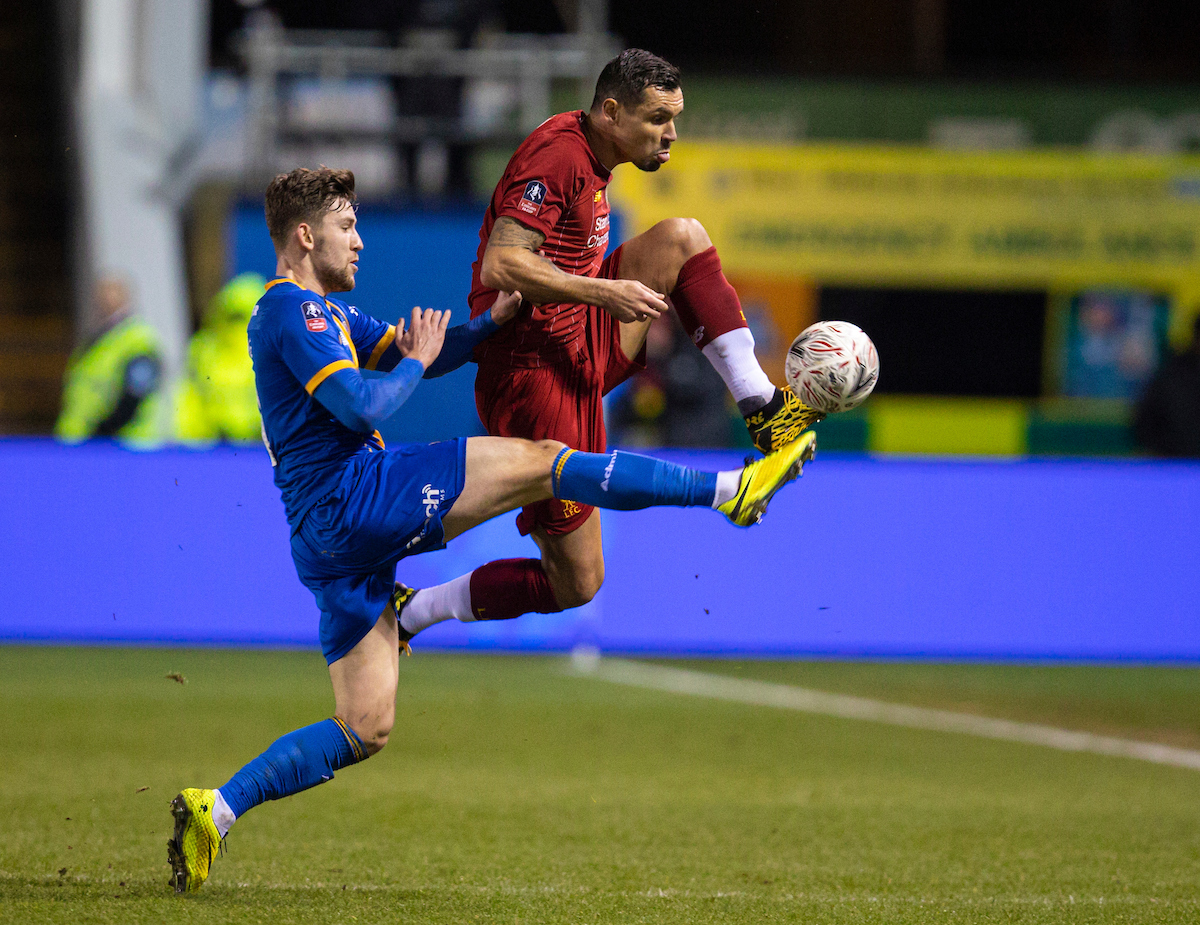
point(297, 340)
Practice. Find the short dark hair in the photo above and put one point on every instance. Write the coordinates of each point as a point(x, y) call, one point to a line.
point(627, 75)
point(305, 196)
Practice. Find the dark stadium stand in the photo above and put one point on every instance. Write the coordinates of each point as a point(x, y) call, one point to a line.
point(35, 315)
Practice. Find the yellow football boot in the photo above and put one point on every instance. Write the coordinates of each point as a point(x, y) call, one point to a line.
point(193, 847)
point(780, 421)
point(763, 477)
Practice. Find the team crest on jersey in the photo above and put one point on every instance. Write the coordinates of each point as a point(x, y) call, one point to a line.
point(531, 199)
point(314, 317)
point(599, 197)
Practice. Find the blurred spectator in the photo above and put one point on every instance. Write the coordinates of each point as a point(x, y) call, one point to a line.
point(679, 400)
point(111, 387)
point(1167, 421)
point(216, 399)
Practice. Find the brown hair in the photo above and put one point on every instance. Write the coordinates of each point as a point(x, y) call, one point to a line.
point(305, 196)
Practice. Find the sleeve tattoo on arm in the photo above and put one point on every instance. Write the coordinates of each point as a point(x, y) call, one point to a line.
point(510, 233)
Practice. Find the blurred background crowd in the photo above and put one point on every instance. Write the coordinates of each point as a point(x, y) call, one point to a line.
point(1006, 197)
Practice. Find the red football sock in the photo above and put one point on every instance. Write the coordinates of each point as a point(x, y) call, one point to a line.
point(705, 302)
point(507, 588)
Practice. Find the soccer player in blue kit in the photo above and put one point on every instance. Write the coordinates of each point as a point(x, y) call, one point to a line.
point(355, 508)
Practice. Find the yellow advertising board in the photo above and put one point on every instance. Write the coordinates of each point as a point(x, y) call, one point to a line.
point(895, 216)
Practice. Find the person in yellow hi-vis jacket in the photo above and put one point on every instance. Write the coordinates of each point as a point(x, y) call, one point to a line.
point(113, 381)
point(216, 399)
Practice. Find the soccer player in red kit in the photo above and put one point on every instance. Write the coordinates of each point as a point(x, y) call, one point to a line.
point(582, 325)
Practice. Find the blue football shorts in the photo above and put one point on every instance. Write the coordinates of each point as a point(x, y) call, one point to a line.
point(388, 505)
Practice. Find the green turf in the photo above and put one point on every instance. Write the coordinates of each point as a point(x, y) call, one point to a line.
point(515, 792)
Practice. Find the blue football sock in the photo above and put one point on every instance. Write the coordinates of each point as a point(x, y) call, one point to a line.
point(628, 482)
point(294, 762)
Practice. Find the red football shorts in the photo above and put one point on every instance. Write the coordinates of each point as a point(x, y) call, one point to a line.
point(562, 401)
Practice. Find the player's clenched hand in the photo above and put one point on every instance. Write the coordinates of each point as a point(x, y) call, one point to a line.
point(629, 300)
point(426, 332)
point(504, 309)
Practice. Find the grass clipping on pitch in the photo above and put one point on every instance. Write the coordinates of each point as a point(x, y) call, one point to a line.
point(514, 791)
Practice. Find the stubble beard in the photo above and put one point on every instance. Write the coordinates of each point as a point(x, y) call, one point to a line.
point(332, 278)
point(651, 163)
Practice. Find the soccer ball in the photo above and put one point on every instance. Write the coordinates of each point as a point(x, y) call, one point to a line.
point(832, 366)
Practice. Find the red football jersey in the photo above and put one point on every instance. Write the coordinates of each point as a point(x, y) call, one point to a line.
point(555, 185)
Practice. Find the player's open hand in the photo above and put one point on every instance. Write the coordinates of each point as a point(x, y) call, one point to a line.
point(630, 300)
point(425, 335)
point(504, 309)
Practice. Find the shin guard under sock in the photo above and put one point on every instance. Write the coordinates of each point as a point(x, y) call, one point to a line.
point(706, 304)
point(622, 481)
point(507, 588)
point(294, 762)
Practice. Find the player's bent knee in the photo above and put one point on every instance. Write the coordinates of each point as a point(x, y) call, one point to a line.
point(687, 235)
point(374, 744)
point(545, 452)
point(578, 592)
point(575, 587)
point(549, 447)
point(372, 731)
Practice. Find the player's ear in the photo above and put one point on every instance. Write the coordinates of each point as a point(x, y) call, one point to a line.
point(611, 109)
point(304, 236)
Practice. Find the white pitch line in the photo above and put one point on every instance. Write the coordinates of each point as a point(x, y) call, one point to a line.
point(787, 697)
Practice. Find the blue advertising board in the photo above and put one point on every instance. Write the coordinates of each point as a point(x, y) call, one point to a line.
point(864, 557)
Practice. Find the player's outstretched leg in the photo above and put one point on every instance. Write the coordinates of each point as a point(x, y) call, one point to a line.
point(503, 474)
point(626, 481)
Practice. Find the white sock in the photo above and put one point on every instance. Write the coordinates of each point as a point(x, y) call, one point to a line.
point(732, 355)
point(450, 601)
point(727, 486)
point(222, 815)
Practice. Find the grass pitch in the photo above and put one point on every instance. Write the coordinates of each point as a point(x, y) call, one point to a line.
point(515, 792)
